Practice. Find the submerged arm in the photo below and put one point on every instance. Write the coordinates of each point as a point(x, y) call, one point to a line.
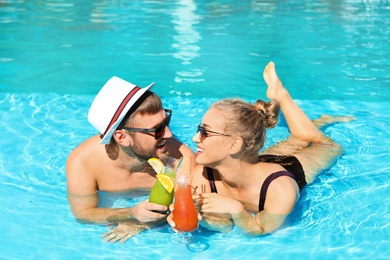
point(250, 225)
point(262, 223)
point(126, 230)
point(85, 209)
point(216, 222)
point(282, 195)
point(83, 196)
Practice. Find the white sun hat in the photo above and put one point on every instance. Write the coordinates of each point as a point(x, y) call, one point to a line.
point(111, 105)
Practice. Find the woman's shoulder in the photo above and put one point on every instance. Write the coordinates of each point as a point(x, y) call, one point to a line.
point(200, 181)
point(197, 173)
point(282, 193)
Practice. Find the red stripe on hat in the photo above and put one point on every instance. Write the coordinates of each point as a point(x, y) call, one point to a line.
point(121, 107)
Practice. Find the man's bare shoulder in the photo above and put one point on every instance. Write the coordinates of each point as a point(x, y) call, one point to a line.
point(82, 164)
point(178, 149)
point(91, 146)
point(86, 157)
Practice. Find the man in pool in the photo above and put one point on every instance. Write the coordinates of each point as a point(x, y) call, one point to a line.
point(133, 127)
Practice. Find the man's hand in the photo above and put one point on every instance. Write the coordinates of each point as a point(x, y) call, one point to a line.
point(143, 211)
point(126, 230)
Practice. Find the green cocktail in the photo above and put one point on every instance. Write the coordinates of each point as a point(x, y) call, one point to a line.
point(162, 191)
point(160, 195)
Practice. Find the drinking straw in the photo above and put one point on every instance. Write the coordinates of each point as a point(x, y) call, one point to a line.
point(189, 168)
point(179, 163)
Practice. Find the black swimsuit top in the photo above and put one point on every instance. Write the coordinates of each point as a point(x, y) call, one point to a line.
point(288, 162)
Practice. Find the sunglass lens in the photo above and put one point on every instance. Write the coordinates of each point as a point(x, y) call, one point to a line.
point(201, 131)
point(159, 131)
point(168, 120)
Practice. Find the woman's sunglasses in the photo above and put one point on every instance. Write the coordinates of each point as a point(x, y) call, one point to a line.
point(206, 133)
point(158, 131)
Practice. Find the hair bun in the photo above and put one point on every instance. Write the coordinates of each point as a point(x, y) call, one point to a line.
point(261, 112)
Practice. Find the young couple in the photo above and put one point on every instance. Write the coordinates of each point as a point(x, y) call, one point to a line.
point(251, 191)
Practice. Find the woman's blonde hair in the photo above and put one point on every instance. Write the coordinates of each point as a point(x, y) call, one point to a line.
point(249, 121)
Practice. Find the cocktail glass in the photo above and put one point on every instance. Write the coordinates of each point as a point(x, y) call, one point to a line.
point(185, 215)
point(159, 194)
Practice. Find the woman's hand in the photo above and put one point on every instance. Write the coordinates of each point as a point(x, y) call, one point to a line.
point(215, 218)
point(215, 203)
point(170, 220)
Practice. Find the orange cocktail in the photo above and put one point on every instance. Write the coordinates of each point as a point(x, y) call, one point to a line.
point(184, 215)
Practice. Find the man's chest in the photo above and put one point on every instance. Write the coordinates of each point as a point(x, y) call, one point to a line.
point(123, 181)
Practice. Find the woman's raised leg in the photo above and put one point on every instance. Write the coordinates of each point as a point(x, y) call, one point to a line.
point(313, 149)
point(298, 122)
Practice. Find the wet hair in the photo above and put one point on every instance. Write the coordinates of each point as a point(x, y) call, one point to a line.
point(249, 121)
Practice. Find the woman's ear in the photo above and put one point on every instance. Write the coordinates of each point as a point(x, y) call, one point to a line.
point(121, 137)
point(236, 145)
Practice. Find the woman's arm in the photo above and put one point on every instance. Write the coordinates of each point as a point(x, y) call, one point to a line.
point(211, 221)
point(282, 195)
point(262, 223)
point(251, 224)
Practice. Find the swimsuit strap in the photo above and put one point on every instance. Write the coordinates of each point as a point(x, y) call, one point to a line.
point(267, 182)
point(210, 176)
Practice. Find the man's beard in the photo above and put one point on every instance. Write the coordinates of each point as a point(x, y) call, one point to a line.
point(144, 153)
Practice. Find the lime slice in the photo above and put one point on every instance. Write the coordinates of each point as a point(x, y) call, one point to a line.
point(166, 182)
point(157, 165)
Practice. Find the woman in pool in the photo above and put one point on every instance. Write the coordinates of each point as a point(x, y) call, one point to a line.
point(255, 192)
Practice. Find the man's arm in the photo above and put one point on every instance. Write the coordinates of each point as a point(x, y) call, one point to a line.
point(178, 150)
point(85, 209)
point(126, 230)
point(83, 197)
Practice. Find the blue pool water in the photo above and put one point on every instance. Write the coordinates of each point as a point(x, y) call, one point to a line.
point(331, 55)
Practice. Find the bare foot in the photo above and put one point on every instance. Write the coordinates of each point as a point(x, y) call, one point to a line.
point(276, 90)
point(326, 120)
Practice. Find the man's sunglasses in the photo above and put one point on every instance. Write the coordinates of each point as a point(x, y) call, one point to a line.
point(158, 131)
point(205, 133)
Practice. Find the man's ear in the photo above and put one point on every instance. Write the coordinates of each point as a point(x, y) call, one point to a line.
point(121, 137)
point(236, 145)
